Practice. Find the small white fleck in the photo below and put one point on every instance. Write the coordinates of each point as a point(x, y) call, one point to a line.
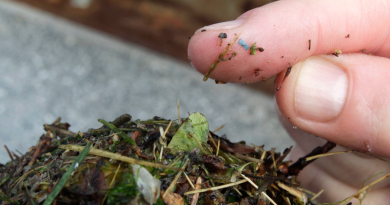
point(368, 148)
point(76, 165)
point(294, 127)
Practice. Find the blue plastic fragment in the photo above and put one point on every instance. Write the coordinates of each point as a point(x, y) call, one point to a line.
point(243, 44)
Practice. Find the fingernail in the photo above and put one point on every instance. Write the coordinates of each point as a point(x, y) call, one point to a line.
point(321, 90)
point(222, 26)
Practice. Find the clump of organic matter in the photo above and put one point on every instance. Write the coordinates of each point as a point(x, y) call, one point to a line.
point(155, 161)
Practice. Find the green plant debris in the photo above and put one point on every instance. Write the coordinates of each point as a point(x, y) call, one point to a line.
point(220, 57)
point(253, 49)
point(337, 52)
point(66, 176)
point(116, 130)
point(125, 192)
point(114, 171)
point(194, 129)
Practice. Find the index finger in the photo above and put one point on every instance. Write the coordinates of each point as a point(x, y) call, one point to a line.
point(289, 32)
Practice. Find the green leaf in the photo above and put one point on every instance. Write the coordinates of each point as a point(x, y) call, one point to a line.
point(196, 126)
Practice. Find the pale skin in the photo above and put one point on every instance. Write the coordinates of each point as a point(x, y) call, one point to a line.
point(283, 28)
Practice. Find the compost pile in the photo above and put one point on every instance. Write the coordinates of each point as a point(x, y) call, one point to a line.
point(157, 161)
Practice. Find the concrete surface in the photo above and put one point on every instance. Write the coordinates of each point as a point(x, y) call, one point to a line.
point(50, 67)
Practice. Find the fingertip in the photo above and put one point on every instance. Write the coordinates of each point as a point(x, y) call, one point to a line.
point(340, 99)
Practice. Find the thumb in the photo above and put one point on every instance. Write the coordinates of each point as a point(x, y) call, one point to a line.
point(344, 100)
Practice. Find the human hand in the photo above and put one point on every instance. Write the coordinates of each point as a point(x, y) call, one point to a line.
point(342, 99)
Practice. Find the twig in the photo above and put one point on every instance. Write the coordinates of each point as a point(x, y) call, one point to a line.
point(295, 168)
point(9, 153)
point(53, 194)
point(116, 130)
point(116, 156)
point(60, 132)
point(281, 158)
point(42, 143)
point(121, 120)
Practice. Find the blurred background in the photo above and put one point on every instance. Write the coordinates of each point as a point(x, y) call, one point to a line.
point(86, 59)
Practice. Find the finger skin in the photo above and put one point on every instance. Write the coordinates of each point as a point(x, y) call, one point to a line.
point(364, 122)
point(284, 28)
point(343, 175)
point(347, 172)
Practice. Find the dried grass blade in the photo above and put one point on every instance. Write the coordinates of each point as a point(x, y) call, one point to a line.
point(316, 195)
point(327, 154)
point(219, 128)
point(189, 181)
point(250, 159)
point(273, 157)
point(66, 176)
point(365, 188)
point(173, 183)
point(112, 182)
point(178, 110)
point(250, 181)
point(219, 143)
point(269, 198)
point(166, 130)
point(299, 194)
point(119, 157)
point(216, 187)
